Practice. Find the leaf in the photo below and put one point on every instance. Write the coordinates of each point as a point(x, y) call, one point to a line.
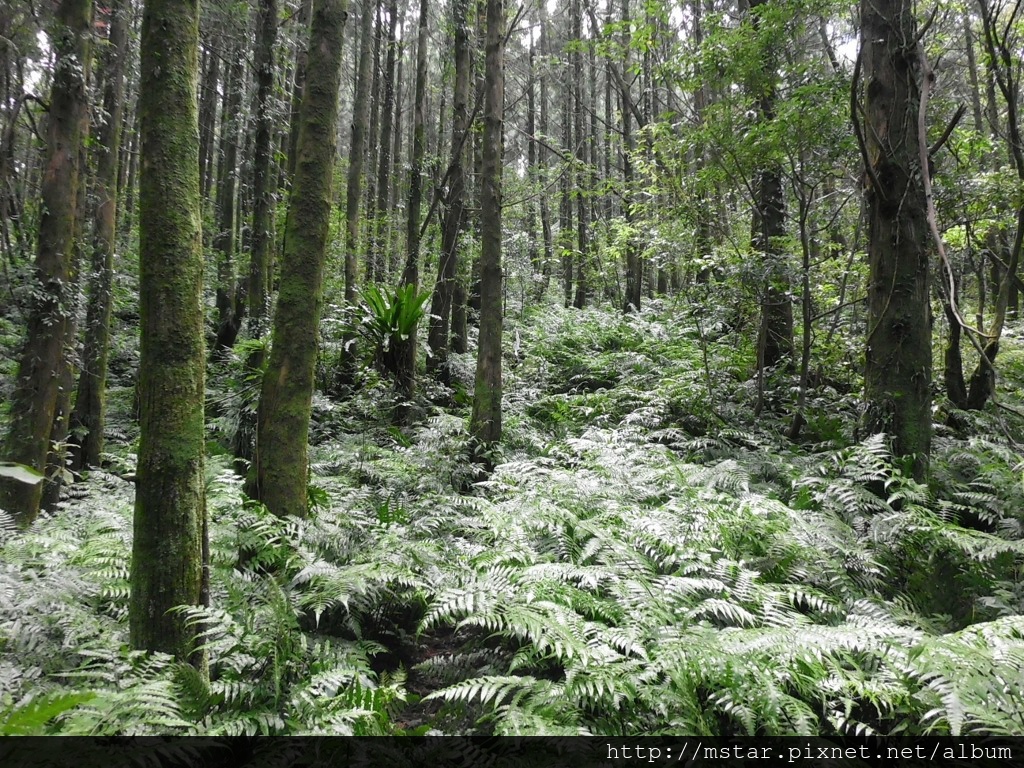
point(31, 718)
point(20, 472)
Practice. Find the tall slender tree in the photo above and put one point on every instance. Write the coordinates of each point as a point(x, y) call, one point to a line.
point(37, 391)
point(898, 370)
point(485, 422)
point(168, 547)
point(406, 354)
point(447, 268)
point(768, 226)
point(89, 416)
point(280, 469)
point(263, 202)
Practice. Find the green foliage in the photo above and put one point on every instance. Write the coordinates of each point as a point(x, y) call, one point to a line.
point(389, 318)
point(646, 558)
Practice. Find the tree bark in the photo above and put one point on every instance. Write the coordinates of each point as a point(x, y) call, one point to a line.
point(375, 257)
point(263, 203)
point(898, 370)
point(89, 416)
point(411, 274)
point(485, 422)
point(167, 567)
point(224, 241)
point(775, 342)
point(441, 301)
point(280, 469)
point(37, 390)
point(345, 375)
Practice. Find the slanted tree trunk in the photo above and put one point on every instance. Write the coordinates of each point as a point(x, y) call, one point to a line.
point(37, 391)
point(89, 416)
point(485, 422)
point(168, 547)
point(280, 469)
point(898, 370)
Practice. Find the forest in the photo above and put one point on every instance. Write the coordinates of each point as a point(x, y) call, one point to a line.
point(548, 367)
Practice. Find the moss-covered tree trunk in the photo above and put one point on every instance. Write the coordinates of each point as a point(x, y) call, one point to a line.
point(89, 416)
point(485, 423)
point(278, 477)
point(169, 531)
point(37, 392)
point(263, 198)
point(898, 370)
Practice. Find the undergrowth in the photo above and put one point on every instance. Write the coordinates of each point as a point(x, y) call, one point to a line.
point(646, 558)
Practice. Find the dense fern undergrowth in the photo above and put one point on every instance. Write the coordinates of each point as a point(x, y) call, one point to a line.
point(646, 558)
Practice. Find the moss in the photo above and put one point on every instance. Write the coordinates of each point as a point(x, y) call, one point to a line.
point(280, 464)
point(170, 516)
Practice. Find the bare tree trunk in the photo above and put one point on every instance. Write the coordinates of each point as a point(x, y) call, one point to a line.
point(485, 422)
point(375, 258)
point(581, 173)
point(224, 241)
point(898, 370)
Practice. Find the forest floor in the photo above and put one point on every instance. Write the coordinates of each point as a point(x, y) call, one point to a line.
point(647, 557)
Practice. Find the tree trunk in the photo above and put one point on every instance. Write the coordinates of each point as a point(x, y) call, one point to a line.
point(228, 319)
point(1004, 69)
point(34, 402)
point(304, 18)
point(581, 174)
point(89, 416)
point(634, 262)
point(411, 274)
point(353, 186)
point(280, 469)
point(441, 301)
point(775, 342)
point(263, 202)
point(375, 257)
point(208, 120)
point(261, 254)
point(898, 370)
point(542, 160)
point(170, 517)
point(485, 423)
